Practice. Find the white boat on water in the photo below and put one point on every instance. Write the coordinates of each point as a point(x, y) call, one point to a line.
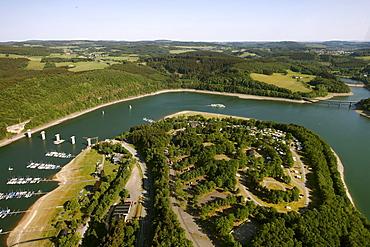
point(218, 105)
point(10, 168)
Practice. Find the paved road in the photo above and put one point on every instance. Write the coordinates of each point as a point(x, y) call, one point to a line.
point(134, 186)
point(301, 184)
point(248, 194)
point(193, 232)
point(147, 209)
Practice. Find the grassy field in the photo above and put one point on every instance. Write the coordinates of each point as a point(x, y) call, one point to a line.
point(285, 81)
point(85, 66)
point(35, 64)
point(180, 51)
point(131, 58)
point(367, 58)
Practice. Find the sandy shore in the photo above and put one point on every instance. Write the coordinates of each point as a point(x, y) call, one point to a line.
point(206, 114)
point(77, 114)
point(341, 171)
point(363, 113)
point(25, 231)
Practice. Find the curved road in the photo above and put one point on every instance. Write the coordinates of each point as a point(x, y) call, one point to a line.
point(251, 197)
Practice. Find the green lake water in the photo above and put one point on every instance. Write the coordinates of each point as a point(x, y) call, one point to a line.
point(344, 129)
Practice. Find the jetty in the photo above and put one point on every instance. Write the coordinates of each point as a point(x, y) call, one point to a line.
point(42, 166)
point(59, 155)
point(22, 180)
point(19, 194)
point(149, 120)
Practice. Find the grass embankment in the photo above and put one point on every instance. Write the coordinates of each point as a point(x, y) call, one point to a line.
point(37, 225)
point(287, 81)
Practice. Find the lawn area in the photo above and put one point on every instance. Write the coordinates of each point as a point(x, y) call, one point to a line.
point(109, 168)
point(285, 81)
point(85, 66)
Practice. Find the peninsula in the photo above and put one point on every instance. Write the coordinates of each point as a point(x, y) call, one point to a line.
point(184, 168)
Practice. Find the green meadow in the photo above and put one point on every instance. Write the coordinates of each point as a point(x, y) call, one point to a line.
point(85, 66)
point(286, 81)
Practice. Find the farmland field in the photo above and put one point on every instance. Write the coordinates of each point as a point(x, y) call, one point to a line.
point(131, 58)
point(85, 66)
point(286, 81)
point(367, 58)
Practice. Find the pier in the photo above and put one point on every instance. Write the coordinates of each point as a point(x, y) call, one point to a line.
point(42, 166)
point(59, 155)
point(18, 195)
point(149, 120)
point(22, 180)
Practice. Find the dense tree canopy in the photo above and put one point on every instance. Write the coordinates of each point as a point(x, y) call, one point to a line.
point(329, 220)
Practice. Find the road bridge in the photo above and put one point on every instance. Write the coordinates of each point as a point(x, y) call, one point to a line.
point(331, 101)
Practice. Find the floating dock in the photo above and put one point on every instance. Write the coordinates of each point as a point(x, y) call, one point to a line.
point(19, 194)
point(42, 166)
point(24, 180)
point(149, 120)
point(59, 155)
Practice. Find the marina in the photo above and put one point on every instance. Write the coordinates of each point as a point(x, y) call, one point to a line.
point(149, 120)
point(59, 155)
point(328, 124)
point(42, 166)
point(24, 180)
point(19, 194)
point(4, 213)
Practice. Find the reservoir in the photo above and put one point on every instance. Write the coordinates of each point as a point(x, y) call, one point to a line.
point(347, 132)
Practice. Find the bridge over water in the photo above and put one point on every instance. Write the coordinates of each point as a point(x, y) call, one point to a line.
point(331, 101)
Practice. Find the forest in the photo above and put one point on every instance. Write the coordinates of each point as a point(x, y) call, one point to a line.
point(92, 209)
point(52, 92)
point(365, 104)
point(208, 153)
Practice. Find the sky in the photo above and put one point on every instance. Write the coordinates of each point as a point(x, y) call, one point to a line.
point(185, 20)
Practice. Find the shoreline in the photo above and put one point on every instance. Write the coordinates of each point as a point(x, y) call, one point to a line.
point(341, 171)
point(15, 236)
point(65, 173)
point(21, 135)
point(364, 113)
